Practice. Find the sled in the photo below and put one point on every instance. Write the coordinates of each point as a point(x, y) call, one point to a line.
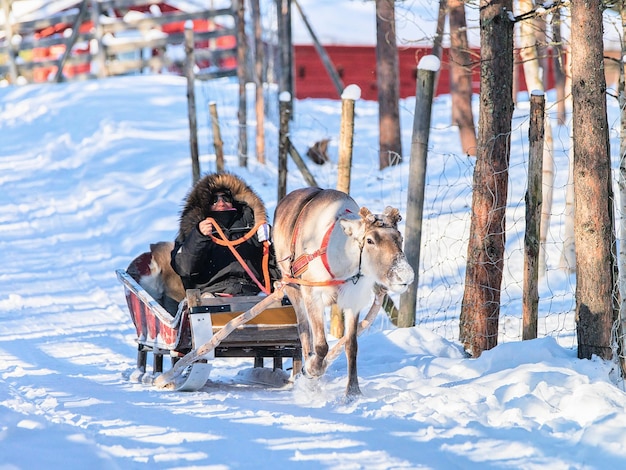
point(245, 326)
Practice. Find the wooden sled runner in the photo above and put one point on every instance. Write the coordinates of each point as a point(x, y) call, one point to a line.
point(247, 326)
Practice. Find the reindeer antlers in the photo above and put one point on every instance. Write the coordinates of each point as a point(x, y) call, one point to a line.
point(367, 215)
point(389, 218)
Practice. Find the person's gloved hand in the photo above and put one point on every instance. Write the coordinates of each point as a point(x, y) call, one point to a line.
point(263, 233)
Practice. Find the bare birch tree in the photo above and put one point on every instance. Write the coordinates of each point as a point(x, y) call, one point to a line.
point(532, 39)
point(622, 197)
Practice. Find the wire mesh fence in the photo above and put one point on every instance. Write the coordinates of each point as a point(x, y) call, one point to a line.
point(448, 200)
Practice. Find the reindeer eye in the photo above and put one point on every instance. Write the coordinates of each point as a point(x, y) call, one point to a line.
point(370, 241)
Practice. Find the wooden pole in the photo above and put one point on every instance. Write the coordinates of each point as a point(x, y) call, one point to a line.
point(308, 176)
point(417, 182)
point(242, 54)
point(530, 297)
point(283, 143)
point(344, 169)
point(328, 64)
point(191, 101)
point(346, 134)
point(258, 81)
point(8, 35)
point(71, 41)
point(286, 81)
point(217, 138)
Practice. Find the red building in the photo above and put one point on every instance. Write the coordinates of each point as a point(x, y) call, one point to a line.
point(357, 65)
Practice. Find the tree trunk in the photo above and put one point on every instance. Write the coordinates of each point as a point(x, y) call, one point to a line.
point(388, 84)
point(485, 258)
point(596, 269)
point(461, 75)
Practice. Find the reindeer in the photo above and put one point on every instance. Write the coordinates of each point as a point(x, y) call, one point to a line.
point(331, 251)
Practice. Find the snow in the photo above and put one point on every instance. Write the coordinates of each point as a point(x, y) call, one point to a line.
point(351, 92)
point(93, 172)
point(430, 63)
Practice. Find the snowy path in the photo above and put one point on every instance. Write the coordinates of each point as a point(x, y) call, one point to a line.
point(90, 174)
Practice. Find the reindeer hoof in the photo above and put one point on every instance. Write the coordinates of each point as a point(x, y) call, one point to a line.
point(353, 392)
point(310, 370)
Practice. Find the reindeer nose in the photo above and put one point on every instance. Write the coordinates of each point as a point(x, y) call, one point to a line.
point(405, 273)
point(402, 275)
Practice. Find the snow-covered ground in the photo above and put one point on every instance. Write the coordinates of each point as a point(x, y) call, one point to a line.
point(93, 172)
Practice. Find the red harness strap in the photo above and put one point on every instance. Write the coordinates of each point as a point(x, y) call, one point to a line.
point(301, 263)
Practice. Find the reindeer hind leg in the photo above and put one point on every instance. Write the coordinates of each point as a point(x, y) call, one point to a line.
point(304, 328)
point(315, 364)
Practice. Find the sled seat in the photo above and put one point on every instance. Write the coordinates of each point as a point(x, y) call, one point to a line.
point(271, 334)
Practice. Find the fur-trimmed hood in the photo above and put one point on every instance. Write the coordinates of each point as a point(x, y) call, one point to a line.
point(198, 200)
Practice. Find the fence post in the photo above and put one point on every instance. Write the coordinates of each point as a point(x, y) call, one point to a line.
point(344, 170)
point(426, 72)
point(295, 156)
point(217, 138)
point(530, 295)
point(346, 134)
point(283, 142)
point(191, 100)
point(69, 43)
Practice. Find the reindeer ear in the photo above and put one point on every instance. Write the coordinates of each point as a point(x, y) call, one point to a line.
point(354, 228)
point(391, 216)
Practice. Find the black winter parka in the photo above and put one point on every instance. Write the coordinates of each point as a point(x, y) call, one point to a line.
point(203, 264)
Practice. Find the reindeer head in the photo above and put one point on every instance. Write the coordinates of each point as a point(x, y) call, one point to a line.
point(381, 247)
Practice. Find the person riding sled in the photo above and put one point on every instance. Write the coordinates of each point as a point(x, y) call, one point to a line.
point(223, 244)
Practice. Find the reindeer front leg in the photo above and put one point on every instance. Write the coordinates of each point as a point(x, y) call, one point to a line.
point(351, 323)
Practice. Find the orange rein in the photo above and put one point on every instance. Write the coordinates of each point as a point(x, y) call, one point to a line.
point(224, 241)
